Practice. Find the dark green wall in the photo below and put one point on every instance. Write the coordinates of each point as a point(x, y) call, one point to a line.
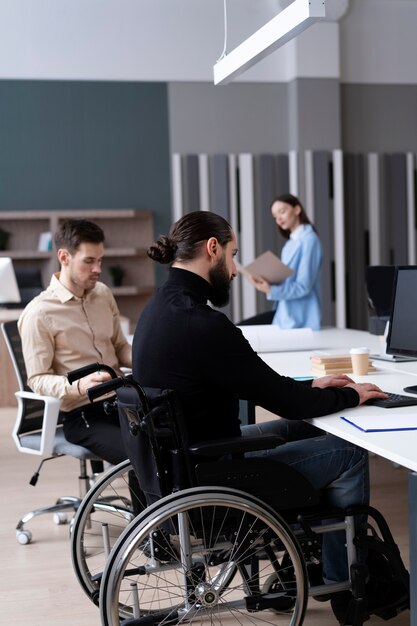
point(80, 145)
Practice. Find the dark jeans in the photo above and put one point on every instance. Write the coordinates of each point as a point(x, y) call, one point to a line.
point(336, 468)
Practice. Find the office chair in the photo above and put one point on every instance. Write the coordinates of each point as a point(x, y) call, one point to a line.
point(379, 280)
point(29, 281)
point(37, 431)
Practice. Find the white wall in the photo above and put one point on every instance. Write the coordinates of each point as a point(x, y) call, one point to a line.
point(180, 40)
point(162, 40)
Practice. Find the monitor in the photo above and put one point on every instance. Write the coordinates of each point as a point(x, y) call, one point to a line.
point(402, 332)
point(9, 290)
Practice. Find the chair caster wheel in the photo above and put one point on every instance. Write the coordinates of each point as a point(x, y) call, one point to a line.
point(23, 537)
point(60, 518)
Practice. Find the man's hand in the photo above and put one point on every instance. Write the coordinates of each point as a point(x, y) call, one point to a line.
point(367, 391)
point(259, 283)
point(334, 380)
point(91, 381)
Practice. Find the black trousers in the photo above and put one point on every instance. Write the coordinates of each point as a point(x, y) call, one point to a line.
point(91, 427)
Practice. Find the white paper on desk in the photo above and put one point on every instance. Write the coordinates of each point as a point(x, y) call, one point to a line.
point(268, 266)
point(381, 423)
point(270, 338)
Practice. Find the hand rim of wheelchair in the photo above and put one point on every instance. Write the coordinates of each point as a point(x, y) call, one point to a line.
point(183, 502)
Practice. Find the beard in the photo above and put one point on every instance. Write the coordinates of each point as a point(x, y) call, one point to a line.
point(220, 284)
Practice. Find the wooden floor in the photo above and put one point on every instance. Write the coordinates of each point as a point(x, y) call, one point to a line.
point(37, 584)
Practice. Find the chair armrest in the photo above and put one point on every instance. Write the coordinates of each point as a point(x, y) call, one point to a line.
point(49, 421)
point(236, 445)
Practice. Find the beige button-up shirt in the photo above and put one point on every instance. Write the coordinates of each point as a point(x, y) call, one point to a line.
point(61, 332)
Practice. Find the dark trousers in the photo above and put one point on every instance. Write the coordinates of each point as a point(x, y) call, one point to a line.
point(91, 427)
point(261, 318)
point(100, 433)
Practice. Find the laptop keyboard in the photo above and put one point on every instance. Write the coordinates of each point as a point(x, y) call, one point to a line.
point(394, 400)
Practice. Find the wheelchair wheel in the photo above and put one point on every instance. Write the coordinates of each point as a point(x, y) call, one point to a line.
point(102, 516)
point(218, 547)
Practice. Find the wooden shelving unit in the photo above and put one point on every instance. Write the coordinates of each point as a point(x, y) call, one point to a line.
point(128, 233)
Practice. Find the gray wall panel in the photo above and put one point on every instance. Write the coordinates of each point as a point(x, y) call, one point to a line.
point(219, 185)
point(282, 181)
point(265, 191)
point(396, 208)
point(325, 226)
point(220, 200)
point(265, 233)
point(356, 241)
point(191, 183)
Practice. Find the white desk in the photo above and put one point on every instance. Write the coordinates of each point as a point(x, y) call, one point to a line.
point(400, 446)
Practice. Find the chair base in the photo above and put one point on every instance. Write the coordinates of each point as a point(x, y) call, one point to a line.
point(63, 504)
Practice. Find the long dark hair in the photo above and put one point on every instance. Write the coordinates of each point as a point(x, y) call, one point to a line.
point(186, 236)
point(288, 198)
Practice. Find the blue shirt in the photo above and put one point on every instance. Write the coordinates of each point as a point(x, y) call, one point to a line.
point(299, 296)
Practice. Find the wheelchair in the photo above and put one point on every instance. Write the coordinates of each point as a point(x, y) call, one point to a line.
point(224, 538)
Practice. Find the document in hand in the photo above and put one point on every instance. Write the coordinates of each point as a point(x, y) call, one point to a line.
point(267, 266)
point(380, 423)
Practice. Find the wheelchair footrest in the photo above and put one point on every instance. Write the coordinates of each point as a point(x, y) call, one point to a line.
point(279, 602)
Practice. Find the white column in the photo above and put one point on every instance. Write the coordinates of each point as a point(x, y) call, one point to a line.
point(339, 239)
point(204, 176)
point(411, 229)
point(309, 184)
point(293, 171)
point(247, 233)
point(234, 222)
point(374, 204)
point(177, 197)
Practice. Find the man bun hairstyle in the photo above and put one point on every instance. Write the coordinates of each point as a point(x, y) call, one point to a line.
point(73, 232)
point(186, 236)
point(163, 250)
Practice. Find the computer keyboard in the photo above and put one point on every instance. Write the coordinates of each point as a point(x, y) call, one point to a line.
point(394, 400)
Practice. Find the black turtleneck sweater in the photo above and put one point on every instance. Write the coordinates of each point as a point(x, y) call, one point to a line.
point(181, 343)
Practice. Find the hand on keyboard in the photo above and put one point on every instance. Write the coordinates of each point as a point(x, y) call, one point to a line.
point(392, 401)
point(367, 391)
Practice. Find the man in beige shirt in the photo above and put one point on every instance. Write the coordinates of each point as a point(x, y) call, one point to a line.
point(73, 323)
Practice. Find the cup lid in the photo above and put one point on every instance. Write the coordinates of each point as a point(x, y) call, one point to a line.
point(361, 350)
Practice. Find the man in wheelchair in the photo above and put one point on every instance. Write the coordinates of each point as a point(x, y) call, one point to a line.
point(183, 344)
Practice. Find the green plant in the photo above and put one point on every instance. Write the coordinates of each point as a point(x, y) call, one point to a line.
point(4, 238)
point(117, 273)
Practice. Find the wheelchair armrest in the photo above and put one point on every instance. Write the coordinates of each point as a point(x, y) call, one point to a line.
point(236, 445)
point(49, 421)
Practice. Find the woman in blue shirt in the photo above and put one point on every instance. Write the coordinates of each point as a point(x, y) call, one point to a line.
point(298, 298)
